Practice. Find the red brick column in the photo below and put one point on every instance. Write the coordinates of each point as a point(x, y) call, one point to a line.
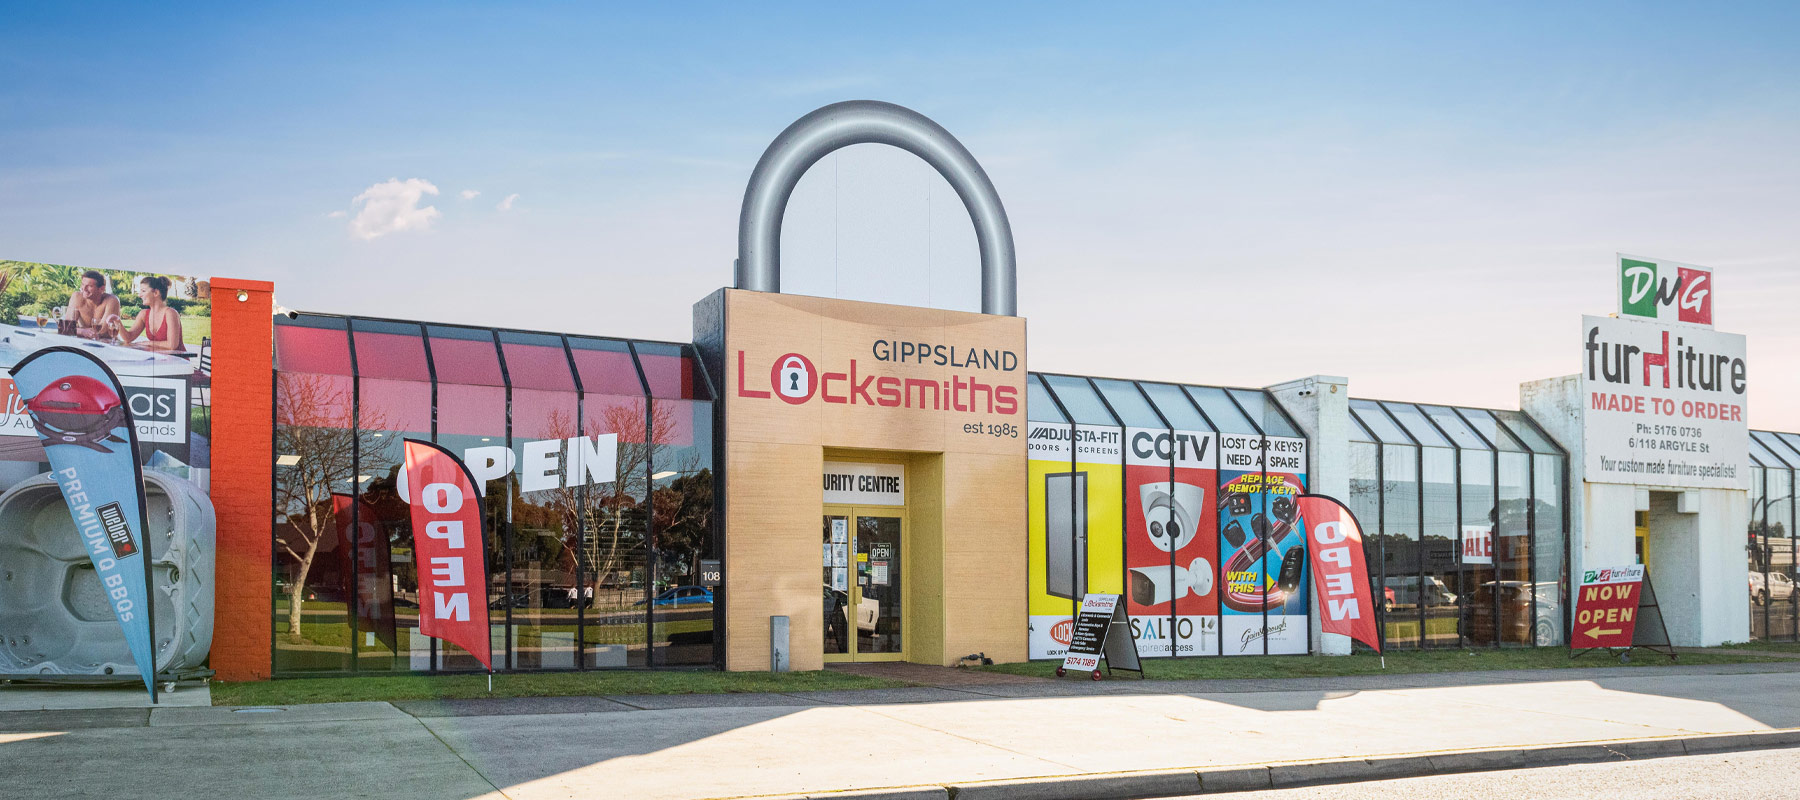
point(243, 403)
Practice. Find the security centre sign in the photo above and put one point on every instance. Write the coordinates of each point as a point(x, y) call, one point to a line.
point(1663, 394)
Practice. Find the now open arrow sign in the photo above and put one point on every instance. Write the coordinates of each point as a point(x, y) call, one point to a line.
point(1606, 607)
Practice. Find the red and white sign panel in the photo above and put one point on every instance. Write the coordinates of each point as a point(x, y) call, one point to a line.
point(1606, 607)
point(1663, 405)
point(1477, 544)
point(1340, 572)
point(447, 549)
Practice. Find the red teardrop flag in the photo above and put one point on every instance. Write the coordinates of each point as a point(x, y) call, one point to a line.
point(1340, 571)
point(447, 549)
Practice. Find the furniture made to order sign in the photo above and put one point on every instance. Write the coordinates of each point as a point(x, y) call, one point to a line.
point(1662, 392)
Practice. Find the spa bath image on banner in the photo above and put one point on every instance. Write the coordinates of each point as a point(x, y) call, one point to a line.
point(154, 333)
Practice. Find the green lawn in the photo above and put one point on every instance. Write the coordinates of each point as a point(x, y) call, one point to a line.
point(1398, 662)
point(562, 684)
point(1765, 646)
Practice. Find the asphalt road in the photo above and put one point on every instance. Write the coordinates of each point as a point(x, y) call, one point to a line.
point(1755, 775)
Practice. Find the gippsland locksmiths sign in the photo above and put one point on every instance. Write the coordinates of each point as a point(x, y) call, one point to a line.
point(868, 375)
point(1663, 394)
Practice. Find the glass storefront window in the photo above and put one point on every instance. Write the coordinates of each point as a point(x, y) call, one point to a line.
point(1478, 584)
point(1265, 414)
point(1404, 590)
point(1777, 594)
point(616, 529)
point(537, 361)
point(542, 510)
point(1225, 416)
point(390, 350)
point(1550, 569)
point(605, 367)
point(1131, 406)
point(314, 344)
point(673, 371)
point(681, 483)
point(1421, 429)
point(1378, 422)
point(1513, 550)
point(315, 481)
point(1080, 400)
point(1438, 593)
point(393, 404)
point(1176, 407)
point(464, 356)
point(1038, 405)
point(1365, 502)
point(1758, 548)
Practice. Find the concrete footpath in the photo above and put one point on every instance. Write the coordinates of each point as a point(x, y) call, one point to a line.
point(967, 740)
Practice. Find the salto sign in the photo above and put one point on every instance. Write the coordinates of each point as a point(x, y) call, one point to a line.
point(1665, 291)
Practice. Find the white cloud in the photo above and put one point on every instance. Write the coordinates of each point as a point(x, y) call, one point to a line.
point(392, 206)
point(469, 194)
point(338, 214)
point(506, 205)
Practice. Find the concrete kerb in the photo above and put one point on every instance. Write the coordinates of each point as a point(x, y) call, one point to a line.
point(1114, 786)
point(1165, 783)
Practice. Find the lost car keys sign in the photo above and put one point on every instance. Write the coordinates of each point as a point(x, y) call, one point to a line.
point(1606, 607)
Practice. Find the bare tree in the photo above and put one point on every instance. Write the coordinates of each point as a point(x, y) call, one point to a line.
point(317, 442)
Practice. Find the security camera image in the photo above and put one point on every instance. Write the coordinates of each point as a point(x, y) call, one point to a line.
point(1173, 513)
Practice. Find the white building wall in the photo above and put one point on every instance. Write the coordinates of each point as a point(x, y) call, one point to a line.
point(1320, 406)
point(1697, 559)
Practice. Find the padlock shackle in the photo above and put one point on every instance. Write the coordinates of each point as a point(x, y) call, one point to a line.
point(840, 125)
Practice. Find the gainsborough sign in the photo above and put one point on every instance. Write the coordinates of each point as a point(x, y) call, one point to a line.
point(1663, 394)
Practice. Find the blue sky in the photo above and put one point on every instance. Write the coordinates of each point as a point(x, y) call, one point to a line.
point(1423, 197)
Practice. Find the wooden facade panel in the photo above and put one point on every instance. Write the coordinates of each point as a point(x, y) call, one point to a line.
point(955, 415)
point(773, 525)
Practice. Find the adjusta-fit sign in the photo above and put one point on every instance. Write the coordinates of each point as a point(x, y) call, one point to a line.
point(1663, 394)
point(869, 375)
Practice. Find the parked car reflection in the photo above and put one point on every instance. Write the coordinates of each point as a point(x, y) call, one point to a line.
point(1777, 587)
point(682, 596)
point(1520, 624)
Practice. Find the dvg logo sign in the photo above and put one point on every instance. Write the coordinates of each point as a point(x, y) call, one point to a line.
point(1665, 291)
point(794, 378)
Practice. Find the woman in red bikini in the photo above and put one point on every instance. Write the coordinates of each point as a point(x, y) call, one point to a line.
point(158, 324)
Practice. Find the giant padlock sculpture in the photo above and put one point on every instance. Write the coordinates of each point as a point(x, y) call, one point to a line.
point(852, 122)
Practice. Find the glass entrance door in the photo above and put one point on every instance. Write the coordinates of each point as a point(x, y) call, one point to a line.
point(864, 601)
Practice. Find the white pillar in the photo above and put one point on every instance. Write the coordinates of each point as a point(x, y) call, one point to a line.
point(1320, 406)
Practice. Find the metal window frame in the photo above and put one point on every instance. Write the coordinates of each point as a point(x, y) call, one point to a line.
point(1381, 606)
